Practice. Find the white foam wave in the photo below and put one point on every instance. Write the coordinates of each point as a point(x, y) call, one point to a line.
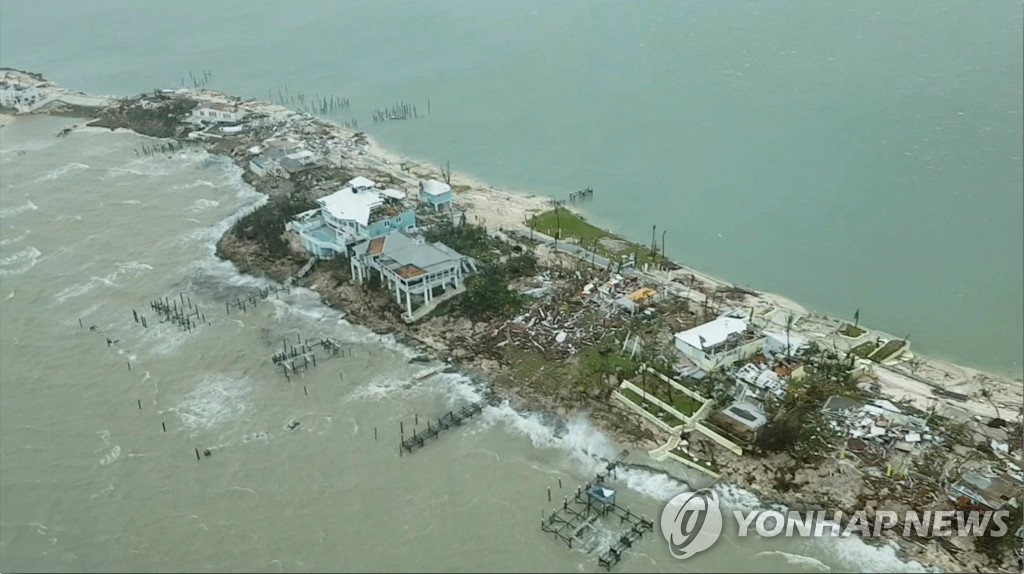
point(61, 171)
point(800, 560)
point(201, 204)
point(216, 399)
point(12, 211)
point(34, 145)
point(194, 184)
point(112, 456)
point(131, 202)
point(148, 166)
point(65, 218)
point(10, 240)
point(20, 262)
point(129, 270)
point(382, 388)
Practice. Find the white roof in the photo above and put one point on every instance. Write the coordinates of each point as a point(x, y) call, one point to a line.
point(795, 341)
point(352, 204)
point(434, 187)
point(713, 332)
point(360, 182)
point(394, 193)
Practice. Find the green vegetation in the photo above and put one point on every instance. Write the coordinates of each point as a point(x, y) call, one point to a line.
point(264, 226)
point(864, 349)
point(796, 424)
point(851, 331)
point(887, 350)
point(469, 239)
point(488, 297)
point(590, 237)
point(487, 294)
point(662, 415)
point(161, 121)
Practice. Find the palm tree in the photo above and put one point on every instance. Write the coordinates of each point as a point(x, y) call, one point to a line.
point(986, 393)
point(789, 327)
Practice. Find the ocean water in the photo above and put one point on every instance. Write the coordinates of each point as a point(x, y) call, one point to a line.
point(861, 155)
point(91, 481)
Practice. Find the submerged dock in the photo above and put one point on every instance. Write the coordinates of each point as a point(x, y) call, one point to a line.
point(449, 420)
point(575, 523)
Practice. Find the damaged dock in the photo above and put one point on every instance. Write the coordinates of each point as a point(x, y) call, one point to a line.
point(449, 420)
point(576, 522)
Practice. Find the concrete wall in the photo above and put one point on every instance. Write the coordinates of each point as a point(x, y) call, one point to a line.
point(646, 415)
point(721, 440)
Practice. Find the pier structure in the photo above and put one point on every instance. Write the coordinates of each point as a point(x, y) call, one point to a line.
point(449, 420)
point(291, 355)
point(251, 299)
point(186, 315)
point(576, 522)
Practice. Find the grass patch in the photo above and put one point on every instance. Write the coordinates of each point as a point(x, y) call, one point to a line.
point(532, 369)
point(864, 349)
point(681, 453)
point(590, 237)
point(887, 350)
point(851, 331)
point(660, 413)
point(685, 403)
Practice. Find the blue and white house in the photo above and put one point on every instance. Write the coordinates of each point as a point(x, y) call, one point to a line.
point(357, 212)
point(435, 193)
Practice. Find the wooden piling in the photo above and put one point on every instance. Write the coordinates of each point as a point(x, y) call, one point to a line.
point(549, 494)
point(304, 391)
point(129, 365)
point(139, 401)
point(374, 433)
point(80, 323)
point(164, 425)
point(197, 455)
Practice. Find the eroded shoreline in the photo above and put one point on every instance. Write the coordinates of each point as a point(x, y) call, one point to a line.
point(777, 478)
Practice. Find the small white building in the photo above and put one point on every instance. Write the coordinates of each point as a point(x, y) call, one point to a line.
point(18, 96)
point(719, 343)
point(435, 193)
point(216, 112)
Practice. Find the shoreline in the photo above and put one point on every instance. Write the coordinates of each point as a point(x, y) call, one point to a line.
point(505, 210)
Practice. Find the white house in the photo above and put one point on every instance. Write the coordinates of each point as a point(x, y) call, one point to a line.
point(719, 343)
point(435, 193)
point(357, 212)
point(18, 97)
point(411, 267)
point(216, 112)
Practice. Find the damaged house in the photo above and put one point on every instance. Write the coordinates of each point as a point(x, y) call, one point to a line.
point(415, 270)
point(358, 212)
point(719, 343)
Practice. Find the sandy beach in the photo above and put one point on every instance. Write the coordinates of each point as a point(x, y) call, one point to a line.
point(510, 209)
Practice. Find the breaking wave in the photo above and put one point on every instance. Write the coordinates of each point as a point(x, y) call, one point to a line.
point(12, 211)
point(215, 400)
point(16, 239)
point(129, 270)
point(61, 171)
point(20, 262)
